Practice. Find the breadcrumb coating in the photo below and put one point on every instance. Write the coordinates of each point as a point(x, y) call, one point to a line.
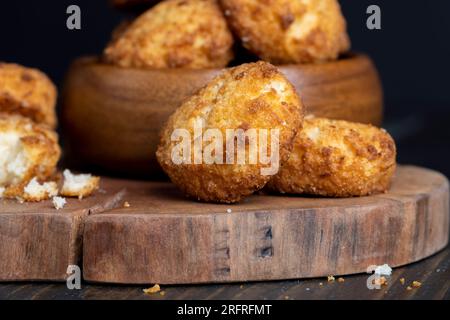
point(251, 96)
point(28, 150)
point(338, 159)
point(289, 31)
point(27, 92)
point(174, 34)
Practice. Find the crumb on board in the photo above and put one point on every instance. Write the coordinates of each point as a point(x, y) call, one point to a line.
point(416, 284)
point(35, 191)
point(321, 284)
point(402, 281)
point(380, 281)
point(153, 289)
point(286, 297)
point(241, 286)
point(79, 185)
point(162, 293)
point(59, 202)
point(330, 278)
point(340, 280)
point(383, 270)
point(126, 204)
point(229, 210)
point(408, 288)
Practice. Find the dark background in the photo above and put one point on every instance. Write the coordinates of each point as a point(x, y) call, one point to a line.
point(412, 53)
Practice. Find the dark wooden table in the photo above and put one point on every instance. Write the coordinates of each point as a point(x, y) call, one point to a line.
point(433, 273)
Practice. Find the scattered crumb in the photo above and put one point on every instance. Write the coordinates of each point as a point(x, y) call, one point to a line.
point(153, 289)
point(408, 288)
point(126, 204)
point(381, 281)
point(34, 191)
point(402, 281)
point(286, 297)
point(229, 211)
point(321, 284)
point(307, 289)
point(241, 286)
point(79, 185)
point(383, 270)
point(162, 293)
point(330, 278)
point(437, 270)
point(341, 280)
point(416, 284)
point(59, 202)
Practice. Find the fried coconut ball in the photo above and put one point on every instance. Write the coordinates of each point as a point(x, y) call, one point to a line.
point(247, 98)
point(28, 92)
point(289, 31)
point(337, 159)
point(174, 34)
point(28, 150)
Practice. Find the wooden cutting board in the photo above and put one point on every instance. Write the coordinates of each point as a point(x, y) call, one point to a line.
point(164, 238)
point(38, 242)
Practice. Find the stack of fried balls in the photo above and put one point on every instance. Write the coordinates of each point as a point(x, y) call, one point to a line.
point(317, 156)
point(29, 149)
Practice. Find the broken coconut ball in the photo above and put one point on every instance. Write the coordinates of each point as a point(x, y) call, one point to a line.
point(28, 150)
point(35, 191)
point(79, 185)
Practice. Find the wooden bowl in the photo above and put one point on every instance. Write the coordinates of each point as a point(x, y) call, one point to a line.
point(112, 116)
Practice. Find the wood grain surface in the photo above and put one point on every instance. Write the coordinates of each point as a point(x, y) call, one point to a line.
point(37, 242)
point(164, 238)
point(112, 116)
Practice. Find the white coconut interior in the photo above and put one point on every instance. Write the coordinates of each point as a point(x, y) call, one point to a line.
point(75, 182)
point(13, 158)
point(35, 189)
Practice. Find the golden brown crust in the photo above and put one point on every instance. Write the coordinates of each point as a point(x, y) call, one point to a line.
point(27, 92)
point(40, 146)
point(251, 96)
point(338, 159)
point(289, 31)
point(175, 34)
